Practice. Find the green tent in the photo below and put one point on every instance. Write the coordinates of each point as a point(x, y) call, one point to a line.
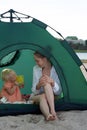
point(18, 41)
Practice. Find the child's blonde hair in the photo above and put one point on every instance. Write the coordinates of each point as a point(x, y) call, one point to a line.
point(7, 74)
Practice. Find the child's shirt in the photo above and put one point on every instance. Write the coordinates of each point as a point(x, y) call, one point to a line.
point(15, 96)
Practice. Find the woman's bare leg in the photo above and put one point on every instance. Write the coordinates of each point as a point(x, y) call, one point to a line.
point(50, 98)
point(41, 99)
point(45, 108)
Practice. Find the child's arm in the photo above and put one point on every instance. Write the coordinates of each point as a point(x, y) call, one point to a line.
point(0, 95)
point(11, 89)
point(20, 85)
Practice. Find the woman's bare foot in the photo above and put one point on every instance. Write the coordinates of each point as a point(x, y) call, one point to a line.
point(50, 117)
point(54, 115)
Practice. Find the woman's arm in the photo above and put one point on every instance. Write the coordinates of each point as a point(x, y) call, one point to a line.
point(43, 81)
point(57, 86)
point(36, 77)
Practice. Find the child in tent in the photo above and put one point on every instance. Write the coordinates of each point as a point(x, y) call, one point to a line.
point(10, 89)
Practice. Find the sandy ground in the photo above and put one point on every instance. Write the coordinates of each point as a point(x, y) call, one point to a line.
point(68, 120)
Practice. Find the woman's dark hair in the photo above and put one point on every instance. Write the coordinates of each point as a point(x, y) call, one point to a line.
point(39, 55)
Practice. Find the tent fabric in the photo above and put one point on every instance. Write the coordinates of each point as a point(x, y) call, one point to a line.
point(32, 36)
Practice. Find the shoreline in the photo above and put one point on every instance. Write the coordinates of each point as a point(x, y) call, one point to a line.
point(84, 61)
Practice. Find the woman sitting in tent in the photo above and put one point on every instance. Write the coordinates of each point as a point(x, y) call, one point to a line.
point(45, 85)
point(10, 89)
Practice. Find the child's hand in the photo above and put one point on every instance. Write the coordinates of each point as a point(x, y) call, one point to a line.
point(21, 85)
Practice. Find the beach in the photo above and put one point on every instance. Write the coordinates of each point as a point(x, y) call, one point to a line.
point(67, 120)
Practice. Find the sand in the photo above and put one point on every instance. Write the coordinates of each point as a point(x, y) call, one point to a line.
point(68, 120)
point(85, 65)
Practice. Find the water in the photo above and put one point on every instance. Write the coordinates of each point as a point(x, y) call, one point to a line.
point(82, 56)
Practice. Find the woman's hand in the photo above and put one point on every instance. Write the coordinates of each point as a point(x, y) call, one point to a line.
point(41, 83)
point(46, 79)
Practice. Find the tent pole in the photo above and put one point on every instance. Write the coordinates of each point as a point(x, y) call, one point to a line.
point(11, 18)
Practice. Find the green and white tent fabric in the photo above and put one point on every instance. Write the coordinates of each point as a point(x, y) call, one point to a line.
point(18, 41)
